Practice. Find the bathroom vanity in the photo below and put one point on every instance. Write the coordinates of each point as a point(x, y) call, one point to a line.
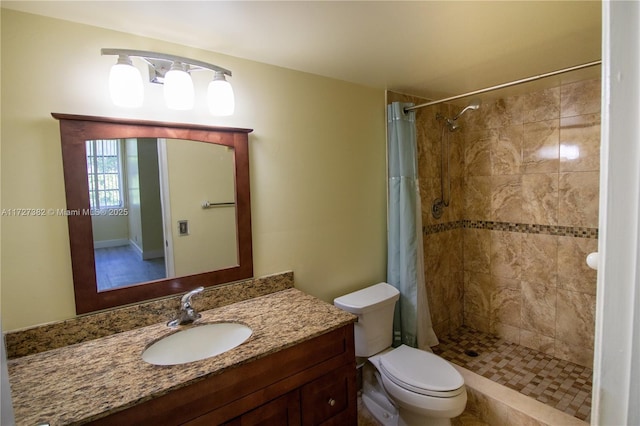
point(297, 368)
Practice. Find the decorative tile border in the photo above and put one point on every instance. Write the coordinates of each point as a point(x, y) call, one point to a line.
point(525, 228)
point(442, 227)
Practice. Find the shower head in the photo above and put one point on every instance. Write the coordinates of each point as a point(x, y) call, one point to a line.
point(475, 104)
point(452, 123)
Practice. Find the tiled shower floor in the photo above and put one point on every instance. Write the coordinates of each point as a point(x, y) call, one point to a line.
point(558, 383)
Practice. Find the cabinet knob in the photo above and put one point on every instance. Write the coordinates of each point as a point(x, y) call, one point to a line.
point(332, 402)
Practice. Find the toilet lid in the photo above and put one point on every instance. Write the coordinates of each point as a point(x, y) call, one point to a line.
point(421, 372)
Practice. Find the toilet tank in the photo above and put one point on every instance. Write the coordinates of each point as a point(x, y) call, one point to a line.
point(374, 307)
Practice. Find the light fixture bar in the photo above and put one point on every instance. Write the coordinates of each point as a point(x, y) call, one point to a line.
point(149, 56)
point(174, 73)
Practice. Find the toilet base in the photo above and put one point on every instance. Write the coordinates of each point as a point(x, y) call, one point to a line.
point(375, 398)
point(385, 417)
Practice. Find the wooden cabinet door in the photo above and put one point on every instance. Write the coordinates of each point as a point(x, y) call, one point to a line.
point(330, 399)
point(282, 411)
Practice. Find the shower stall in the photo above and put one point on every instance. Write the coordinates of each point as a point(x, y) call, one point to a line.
point(505, 261)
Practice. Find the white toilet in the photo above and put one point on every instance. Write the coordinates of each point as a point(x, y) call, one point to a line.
point(408, 386)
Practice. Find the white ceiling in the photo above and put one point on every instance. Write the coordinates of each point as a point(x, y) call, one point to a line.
point(427, 48)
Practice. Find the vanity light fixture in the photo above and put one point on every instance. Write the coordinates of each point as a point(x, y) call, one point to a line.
point(125, 84)
point(178, 87)
point(174, 72)
point(220, 96)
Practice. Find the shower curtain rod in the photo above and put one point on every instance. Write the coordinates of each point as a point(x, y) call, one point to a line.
point(503, 85)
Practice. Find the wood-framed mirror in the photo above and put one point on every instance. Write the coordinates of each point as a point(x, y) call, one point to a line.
point(101, 184)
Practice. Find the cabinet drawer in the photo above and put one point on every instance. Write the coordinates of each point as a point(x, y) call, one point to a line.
point(329, 396)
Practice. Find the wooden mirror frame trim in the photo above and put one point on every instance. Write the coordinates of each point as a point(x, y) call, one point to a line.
point(74, 131)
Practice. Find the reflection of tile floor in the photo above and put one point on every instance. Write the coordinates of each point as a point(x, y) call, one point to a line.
point(558, 383)
point(121, 266)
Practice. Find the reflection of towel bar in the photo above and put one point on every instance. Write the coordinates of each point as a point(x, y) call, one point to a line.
point(208, 205)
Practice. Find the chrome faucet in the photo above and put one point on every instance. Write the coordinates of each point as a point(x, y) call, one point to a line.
point(187, 314)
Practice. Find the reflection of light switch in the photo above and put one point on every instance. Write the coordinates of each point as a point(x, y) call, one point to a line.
point(183, 227)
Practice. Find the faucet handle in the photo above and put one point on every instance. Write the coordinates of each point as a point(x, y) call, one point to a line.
point(187, 314)
point(186, 299)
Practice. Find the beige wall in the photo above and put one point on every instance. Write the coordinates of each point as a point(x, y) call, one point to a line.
point(143, 197)
point(317, 158)
point(110, 229)
point(150, 205)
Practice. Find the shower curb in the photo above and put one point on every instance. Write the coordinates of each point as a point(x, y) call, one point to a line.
point(498, 405)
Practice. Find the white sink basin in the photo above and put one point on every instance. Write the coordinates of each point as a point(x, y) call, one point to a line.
point(196, 343)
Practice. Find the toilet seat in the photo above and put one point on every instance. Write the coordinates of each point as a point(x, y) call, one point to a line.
point(421, 372)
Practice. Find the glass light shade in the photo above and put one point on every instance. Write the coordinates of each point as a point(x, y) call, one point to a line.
point(220, 96)
point(125, 84)
point(178, 88)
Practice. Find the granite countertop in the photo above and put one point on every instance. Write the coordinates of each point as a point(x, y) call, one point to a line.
point(83, 382)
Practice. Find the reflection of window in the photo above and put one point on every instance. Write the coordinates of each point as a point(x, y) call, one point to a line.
point(104, 169)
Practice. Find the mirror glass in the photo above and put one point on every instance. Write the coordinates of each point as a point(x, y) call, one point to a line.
point(154, 208)
point(140, 192)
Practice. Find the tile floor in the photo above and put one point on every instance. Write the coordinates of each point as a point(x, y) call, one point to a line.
point(558, 383)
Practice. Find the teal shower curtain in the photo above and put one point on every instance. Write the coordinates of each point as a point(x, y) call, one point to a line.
point(405, 261)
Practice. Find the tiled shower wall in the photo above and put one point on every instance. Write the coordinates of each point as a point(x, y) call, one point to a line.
point(508, 255)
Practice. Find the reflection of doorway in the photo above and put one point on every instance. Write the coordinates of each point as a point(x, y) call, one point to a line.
point(129, 238)
point(165, 199)
point(200, 179)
